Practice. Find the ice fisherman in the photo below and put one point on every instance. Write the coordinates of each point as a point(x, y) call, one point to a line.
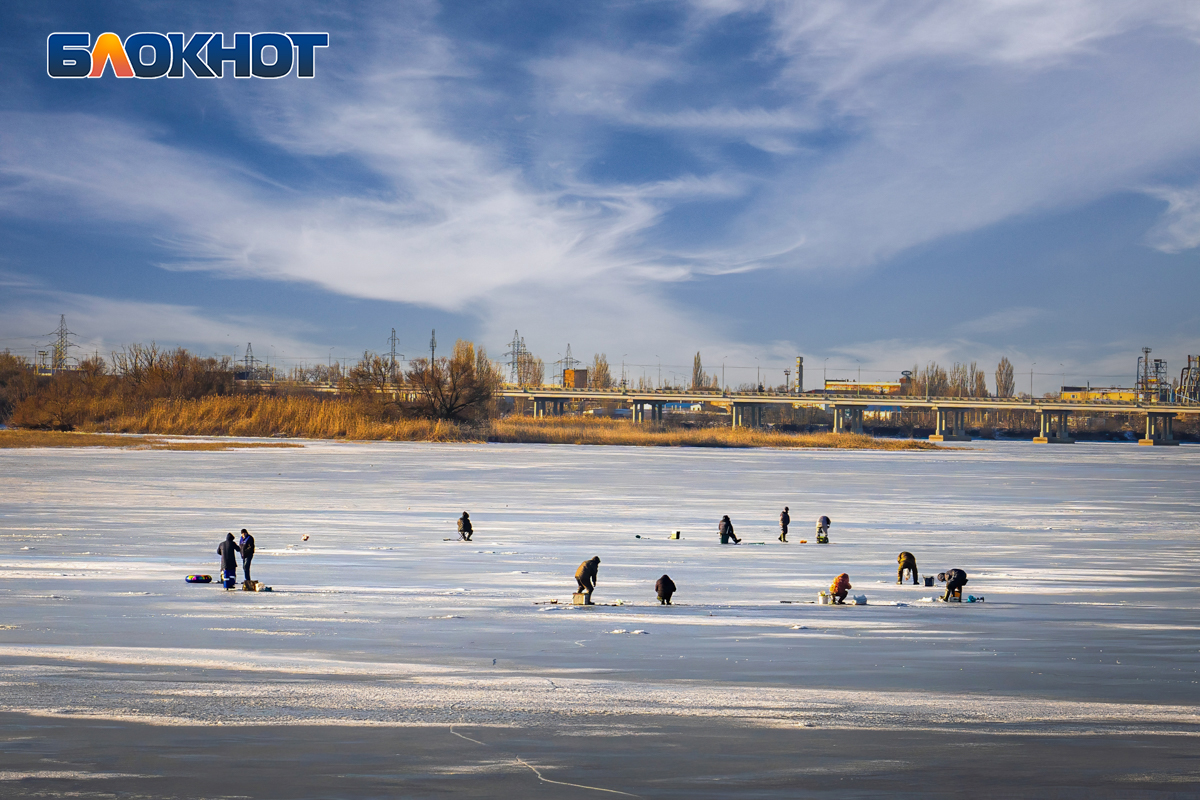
point(823, 530)
point(906, 561)
point(785, 519)
point(955, 579)
point(246, 545)
point(585, 576)
point(839, 588)
point(227, 551)
point(665, 588)
point(725, 529)
point(464, 527)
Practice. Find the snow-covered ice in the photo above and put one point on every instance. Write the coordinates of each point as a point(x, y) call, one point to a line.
point(1088, 557)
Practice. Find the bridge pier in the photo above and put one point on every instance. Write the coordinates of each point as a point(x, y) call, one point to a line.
point(1053, 428)
point(950, 425)
point(539, 408)
point(848, 419)
point(746, 415)
point(1159, 426)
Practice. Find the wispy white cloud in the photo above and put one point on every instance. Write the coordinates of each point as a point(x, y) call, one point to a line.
point(1179, 228)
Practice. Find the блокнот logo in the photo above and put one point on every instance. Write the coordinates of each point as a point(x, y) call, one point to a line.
point(154, 55)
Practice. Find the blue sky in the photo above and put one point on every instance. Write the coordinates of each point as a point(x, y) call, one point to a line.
point(866, 184)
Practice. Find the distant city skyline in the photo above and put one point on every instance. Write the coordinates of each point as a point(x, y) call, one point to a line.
point(870, 186)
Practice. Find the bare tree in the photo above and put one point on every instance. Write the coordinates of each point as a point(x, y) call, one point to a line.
point(978, 381)
point(959, 381)
point(600, 376)
point(699, 379)
point(530, 370)
point(459, 387)
point(371, 376)
point(1005, 382)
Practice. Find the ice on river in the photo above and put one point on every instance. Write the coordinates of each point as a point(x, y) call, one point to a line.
point(1088, 557)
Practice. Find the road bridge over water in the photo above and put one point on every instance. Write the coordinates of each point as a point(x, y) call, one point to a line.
point(950, 412)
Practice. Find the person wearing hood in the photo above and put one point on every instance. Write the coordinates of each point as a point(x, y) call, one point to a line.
point(246, 545)
point(585, 576)
point(665, 588)
point(955, 579)
point(464, 527)
point(840, 588)
point(725, 529)
point(228, 550)
point(785, 519)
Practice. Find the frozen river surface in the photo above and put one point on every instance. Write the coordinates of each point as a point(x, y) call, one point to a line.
point(1088, 556)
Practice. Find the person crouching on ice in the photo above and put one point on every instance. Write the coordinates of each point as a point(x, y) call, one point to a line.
point(585, 576)
point(823, 530)
point(725, 529)
point(906, 561)
point(955, 579)
point(839, 588)
point(665, 588)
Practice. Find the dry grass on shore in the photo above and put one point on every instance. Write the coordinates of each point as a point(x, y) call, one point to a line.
point(21, 439)
point(601, 431)
point(298, 416)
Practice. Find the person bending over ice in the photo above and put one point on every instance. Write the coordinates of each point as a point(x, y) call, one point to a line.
point(785, 519)
point(906, 561)
point(839, 588)
point(464, 528)
point(725, 528)
point(823, 530)
point(227, 551)
point(585, 576)
point(955, 579)
point(246, 545)
point(665, 588)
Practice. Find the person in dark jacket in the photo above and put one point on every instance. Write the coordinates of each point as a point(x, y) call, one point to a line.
point(823, 530)
point(785, 519)
point(227, 551)
point(955, 579)
point(585, 576)
point(665, 588)
point(246, 545)
point(906, 561)
point(464, 527)
point(725, 529)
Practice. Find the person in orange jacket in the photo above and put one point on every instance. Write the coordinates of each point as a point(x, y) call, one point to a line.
point(839, 588)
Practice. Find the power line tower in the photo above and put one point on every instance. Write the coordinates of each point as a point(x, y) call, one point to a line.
point(516, 352)
point(432, 345)
point(59, 349)
point(250, 363)
point(567, 362)
point(392, 355)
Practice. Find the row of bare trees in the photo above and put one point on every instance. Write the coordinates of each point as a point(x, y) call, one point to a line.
point(961, 380)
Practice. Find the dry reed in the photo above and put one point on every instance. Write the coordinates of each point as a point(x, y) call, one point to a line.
point(601, 431)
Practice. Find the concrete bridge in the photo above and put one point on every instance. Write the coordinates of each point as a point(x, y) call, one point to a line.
point(950, 412)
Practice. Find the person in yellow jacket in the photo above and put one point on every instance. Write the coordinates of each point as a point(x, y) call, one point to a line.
point(839, 588)
point(906, 561)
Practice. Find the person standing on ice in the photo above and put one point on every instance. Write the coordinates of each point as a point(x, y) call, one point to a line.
point(955, 579)
point(665, 587)
point(246, 545)
point(725, 529)
point(585, 576)
point(906, 561)
point(464, 528)
point(227, 551)
point(839, 588)
point(823, 530)
point(785, 519)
